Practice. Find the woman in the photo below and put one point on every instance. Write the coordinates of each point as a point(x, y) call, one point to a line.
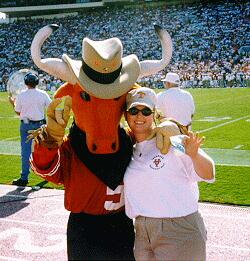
point(161, 191)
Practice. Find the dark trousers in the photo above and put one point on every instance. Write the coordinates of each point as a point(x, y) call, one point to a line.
point(103, 237)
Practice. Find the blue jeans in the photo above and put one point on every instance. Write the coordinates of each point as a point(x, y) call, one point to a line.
point(26, 147)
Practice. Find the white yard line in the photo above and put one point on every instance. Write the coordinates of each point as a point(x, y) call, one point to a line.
point(225, 157)
point(227, 150)
point(223, 124)
point(232, 165)
point(10, 147)
point(9, 117)
point(229, 157)
point(11, 153)
point(238, 147)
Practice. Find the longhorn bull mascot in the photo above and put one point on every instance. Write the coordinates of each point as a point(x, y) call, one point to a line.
point(91, 160)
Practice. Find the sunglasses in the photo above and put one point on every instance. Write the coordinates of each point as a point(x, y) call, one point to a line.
point(145, 111)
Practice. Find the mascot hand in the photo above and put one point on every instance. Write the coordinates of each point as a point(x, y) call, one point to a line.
point(58, 113)
point(163, 132)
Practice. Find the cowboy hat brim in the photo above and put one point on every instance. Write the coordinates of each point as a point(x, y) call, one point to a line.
point(128, 76)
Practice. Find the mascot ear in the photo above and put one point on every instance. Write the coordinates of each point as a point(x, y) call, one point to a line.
point(64, 90)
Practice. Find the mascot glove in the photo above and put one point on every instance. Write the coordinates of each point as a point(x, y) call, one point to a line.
point(58, 113)
point(163, 132)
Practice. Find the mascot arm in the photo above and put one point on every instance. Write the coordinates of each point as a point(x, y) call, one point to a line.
point(52, 134)
point(45, 163)
point(163, 132)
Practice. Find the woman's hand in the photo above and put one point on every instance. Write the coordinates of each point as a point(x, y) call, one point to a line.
point(203, 164)
point(192, 143)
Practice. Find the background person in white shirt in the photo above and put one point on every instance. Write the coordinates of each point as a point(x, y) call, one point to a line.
point(161, 190)
point(174, 102)
point(30, 105)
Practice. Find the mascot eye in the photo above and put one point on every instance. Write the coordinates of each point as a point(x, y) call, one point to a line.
point(116, 99)
point(85, 96)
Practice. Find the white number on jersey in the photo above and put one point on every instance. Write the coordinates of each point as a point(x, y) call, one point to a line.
point(118, 192)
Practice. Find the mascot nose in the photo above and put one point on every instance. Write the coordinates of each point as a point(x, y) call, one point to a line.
point(94, 147)
point(113, 147)
point(100, 147)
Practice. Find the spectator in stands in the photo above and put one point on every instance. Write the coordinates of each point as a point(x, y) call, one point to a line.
point(174, 102)
point(221, 28)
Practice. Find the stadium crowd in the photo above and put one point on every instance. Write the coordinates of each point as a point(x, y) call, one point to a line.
point(206, 39)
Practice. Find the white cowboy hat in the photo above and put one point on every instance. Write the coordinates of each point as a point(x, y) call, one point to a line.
point(103, 72)
point(172, 78)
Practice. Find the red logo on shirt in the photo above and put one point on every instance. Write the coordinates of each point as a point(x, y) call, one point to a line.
point(157, 162)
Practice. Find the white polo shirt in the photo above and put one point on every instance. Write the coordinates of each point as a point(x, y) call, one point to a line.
point(160, 186)
point(177, 104)
point(31, 104)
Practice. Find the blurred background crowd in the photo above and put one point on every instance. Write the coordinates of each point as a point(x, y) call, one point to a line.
point(211, 41)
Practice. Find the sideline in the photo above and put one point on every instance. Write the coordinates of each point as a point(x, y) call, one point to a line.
point(228, 228)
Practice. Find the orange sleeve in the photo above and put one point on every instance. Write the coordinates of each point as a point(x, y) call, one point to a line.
point(46, 163)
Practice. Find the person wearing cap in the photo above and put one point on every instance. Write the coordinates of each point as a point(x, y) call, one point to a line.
point(161, 191)
point(174, 102)
point(30, 105)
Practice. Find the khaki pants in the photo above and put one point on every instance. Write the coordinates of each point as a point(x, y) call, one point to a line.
point(182, 238)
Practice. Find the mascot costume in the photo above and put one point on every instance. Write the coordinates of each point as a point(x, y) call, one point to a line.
point(91, 160)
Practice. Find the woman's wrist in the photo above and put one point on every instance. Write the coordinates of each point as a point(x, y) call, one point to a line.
point(194, 156)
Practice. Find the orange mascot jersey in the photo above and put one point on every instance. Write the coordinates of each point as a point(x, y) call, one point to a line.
point(84, 192)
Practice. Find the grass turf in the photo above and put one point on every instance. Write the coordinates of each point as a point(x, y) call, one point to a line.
point(231, 186)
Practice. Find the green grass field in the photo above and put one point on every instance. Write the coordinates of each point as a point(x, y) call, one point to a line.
point(222, 116)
